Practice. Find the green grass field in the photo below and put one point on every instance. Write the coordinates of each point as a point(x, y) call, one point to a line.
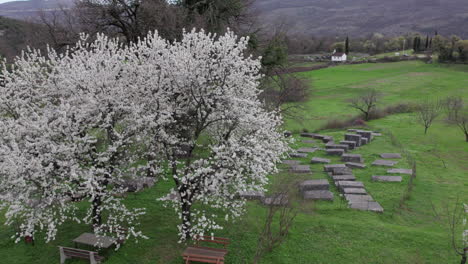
point(328, 232)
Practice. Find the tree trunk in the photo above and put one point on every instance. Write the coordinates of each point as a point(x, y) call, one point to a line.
point(97, 218)
point(186, 219)
point(463, 260)
point(466, 137)
point(425, 130)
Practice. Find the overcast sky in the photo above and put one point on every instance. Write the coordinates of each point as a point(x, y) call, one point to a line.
point(4, 1)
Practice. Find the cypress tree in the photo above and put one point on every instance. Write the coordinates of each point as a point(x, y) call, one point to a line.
point(427, 42)
point(415, 40)
point(347, 45)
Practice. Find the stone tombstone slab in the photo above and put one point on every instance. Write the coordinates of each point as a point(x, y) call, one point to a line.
point(300, 168)
point(309, 135)
point(317, 136)
point(312, 185)
point(355, 165)
point(320, 195)
point(276, 200)
point(387, 178)
point(327, 139)
point(306, 150)
point(352, 130)
point(365, 134)
point(367, 206)
point(335, 152)
point(364, 141)
point(352, 158)
point(360, 191)
point(390, 155)
point(358, 198)
point(298, 155)
point(330, 167)
point(376, 134)
point(316, 160)
point(354, 137)
point(341, 171)
point(291, 162)
point(309, 141)
point(400, 171)
point(349, 184)
point(351, 144)
point(387, 163)
point(338, 178)
point(252, 195)
point(337, 146)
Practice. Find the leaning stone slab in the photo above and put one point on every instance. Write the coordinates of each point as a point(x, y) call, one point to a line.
point(401, 171)
point(330, 167)
point(337, 146)
point(358, 198)
point(335, 152)
point(298, 155)
point(360, 191)
point(300, 168)
point(388, 163)
point(319, 160)
point(338, 178)
point(317, 136)
point(390, 155)
point(352, 158)
point(354, 137)
point(349, 184)
point(291, 162)
point(313, 185)
point(326, 139)
point(351, 144)
point(387, 178)
point(318, 195)
point(364, 141)
point(276, 200)
point(306, 150)
point(252, 195)
point(365, 134)
point(354, 165)
point(367, 206)
point(341, 171)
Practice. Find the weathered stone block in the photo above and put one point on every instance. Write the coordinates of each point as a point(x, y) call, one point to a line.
point(309, 141)
point(300, 169)
point(390, 155)
point(365, 134)
point(375, 134)
point(330, 167)
point(358, 198)
point(337, 146)
point(306, 150)
point(351, 144)
point(335, 152)
point(361, 191)
point(338, 178)
point(276, 200)
point(354, 165)
point(319, 160)
point(387, 178)
point(298, 155)
point(291, 162)
point(352, 158)
point(364, 141)
point(401, 171)
point(387, 163)
point(310, 185)
point(327, 139)
point(354, 137)
point(367, 206)
point(318, 195)
point(349, 184)
point(310, 135)
point(341, 171)
point(352, 130)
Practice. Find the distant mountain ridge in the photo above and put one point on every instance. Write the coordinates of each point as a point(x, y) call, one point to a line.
point(363, 17)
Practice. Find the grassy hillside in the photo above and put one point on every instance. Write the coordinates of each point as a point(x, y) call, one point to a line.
point(328, 232)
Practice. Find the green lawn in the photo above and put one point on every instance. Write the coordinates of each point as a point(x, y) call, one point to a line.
point(328, 232)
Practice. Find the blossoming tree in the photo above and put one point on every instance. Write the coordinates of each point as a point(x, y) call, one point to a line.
point(216, 136)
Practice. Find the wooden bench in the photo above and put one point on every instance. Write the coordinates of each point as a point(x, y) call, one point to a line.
point(66, 253)
point(200, 253)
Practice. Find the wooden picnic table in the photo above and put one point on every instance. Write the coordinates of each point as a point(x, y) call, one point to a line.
point(93, 240)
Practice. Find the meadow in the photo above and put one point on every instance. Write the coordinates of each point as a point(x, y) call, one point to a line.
point(409, 231)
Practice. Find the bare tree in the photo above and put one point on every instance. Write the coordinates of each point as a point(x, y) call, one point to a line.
point(271, 236)
point(427, 112)
point(457, 114)
point(457, 225)
point(366, 103)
